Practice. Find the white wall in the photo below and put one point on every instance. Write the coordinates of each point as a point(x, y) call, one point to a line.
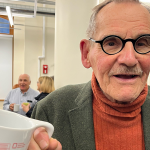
point(28, 43)
point(19, 49)
point(5, 66)
point(148, 81)
point(72, 19)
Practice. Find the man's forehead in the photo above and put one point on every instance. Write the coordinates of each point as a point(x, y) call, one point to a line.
point(122, 8)
point(24, 77)
point(115, 16)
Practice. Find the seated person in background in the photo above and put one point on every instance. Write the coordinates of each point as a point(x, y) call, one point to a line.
point(20, 95)
point(112, 111)
point(45, 85)
point(15, 86)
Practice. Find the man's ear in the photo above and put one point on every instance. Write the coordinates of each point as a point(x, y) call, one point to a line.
point(85, 49)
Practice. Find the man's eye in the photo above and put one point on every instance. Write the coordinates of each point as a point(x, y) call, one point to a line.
point(141, 44)
point(111, 43)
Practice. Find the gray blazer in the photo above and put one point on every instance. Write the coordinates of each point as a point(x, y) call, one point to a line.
point(69, 109)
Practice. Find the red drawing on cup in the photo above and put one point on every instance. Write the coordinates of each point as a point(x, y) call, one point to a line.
point(5, 146)
point(17, 145)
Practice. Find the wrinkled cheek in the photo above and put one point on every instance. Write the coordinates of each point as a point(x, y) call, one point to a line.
point(145, 69)
point(100, 65)
point(146, 64)
point(103, 67)
point(102, 73)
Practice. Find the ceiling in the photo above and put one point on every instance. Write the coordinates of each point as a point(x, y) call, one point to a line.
point(28, 8)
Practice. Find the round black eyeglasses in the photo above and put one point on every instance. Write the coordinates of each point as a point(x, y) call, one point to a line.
point(113, 44)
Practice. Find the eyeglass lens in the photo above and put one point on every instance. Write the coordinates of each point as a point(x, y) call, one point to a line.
point(112, 45)
point(142, 45)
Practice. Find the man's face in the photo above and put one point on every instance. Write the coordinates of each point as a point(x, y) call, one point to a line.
point(126, 20)
point(24, 82)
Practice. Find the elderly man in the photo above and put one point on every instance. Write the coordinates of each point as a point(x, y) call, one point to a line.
point(112, 111)
point(19, 95)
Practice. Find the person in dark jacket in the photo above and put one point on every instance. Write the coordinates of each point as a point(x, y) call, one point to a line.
point(45, 85)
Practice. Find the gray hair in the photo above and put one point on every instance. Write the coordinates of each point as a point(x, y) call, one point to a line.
point(91, 30)
point(26, 75)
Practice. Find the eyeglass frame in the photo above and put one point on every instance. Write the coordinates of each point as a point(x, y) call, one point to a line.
point(123, 43)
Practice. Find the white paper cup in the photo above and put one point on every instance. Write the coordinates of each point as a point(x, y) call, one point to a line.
point(16, 130)
point(16, 107)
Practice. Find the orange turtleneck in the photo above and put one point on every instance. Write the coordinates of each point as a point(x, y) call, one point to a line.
point(117, 126)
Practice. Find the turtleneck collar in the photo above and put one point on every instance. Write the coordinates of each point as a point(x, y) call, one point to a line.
point(115, 109)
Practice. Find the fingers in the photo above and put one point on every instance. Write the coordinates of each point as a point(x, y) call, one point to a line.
point(54, 145)
point(22, 106)
point(25, 107)
point(33, 145)
point(11, 106)
point(42, 139)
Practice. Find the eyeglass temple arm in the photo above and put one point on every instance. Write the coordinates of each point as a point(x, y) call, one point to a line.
point(92, 39)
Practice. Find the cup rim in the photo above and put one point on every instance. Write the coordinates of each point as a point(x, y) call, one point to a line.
point(17, 115)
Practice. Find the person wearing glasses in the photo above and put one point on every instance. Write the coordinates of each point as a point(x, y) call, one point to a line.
point(112, 111)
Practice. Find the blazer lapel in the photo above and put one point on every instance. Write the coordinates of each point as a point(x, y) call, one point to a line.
point(146, 120)
point(81, 120)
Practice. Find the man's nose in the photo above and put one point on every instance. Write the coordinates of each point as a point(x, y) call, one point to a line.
point(22, 81)
point(128, 55)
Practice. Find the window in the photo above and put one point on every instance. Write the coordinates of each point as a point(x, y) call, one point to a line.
point(5, 26)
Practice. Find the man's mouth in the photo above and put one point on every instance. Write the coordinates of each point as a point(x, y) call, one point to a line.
point(22, 85)
point(126, 76)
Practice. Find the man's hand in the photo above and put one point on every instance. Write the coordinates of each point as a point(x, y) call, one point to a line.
point(40, 141)
point(25, 107)
point(11, 106)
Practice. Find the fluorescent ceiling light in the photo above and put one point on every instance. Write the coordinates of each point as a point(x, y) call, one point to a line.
point(9, 15)
point(97, 2)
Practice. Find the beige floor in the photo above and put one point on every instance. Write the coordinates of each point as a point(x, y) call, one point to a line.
point(1, 104)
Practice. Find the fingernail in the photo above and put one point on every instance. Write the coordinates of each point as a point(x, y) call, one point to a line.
point(36, 132)
point(43, 144)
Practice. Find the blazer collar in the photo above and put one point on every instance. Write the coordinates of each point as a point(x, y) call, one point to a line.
point(81, 120)
point(146, 120)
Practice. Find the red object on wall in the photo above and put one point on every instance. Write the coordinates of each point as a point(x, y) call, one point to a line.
point(45, 69)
